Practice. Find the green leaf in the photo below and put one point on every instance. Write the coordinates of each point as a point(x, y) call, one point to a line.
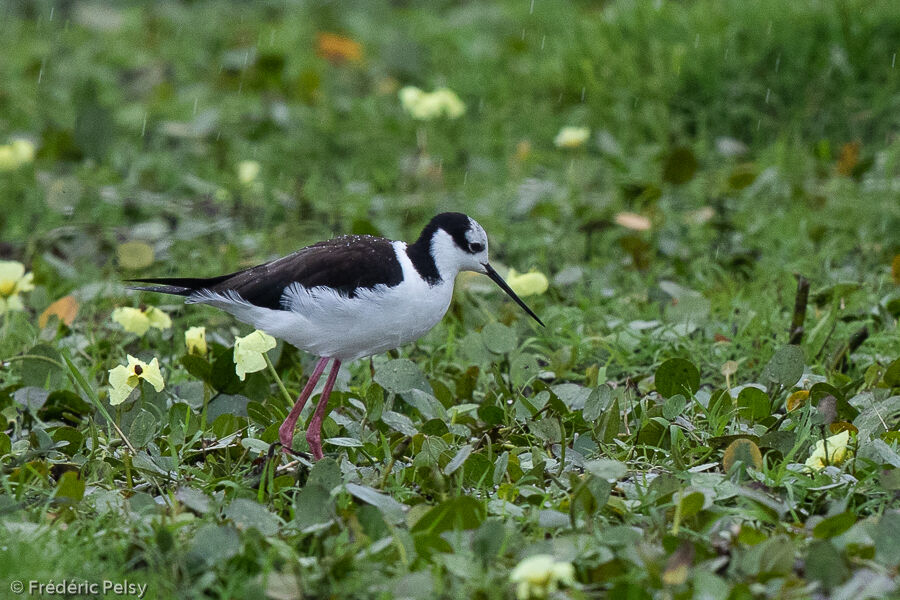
point(313, 505)
point(248, 514)
point(215, 544)
point(199, 367)
point(753, 403)
point(488, 540)
point(327, 473)
point(459, 459)
point(610, 422)
point(891, 375)
point(390, 508)
point(194, 499)
point(605, 468)
point(690, 504)
point(498, 338)
point(674, 406)
point(490, 414)
point(871, 421)
point(598, 401)
point(45, 372)
point(680, 166)
point(223, 376)
point(825, 564)
point(143, 429)
point(785, 367)
point(401, 375)
point(574, 396)
point(64, 405)
point(70, 488)
point(677, 376)
point(834, 525)
point(887, 550)
point(461, 512)
point(523, 369)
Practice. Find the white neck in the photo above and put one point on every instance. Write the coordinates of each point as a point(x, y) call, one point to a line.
point(445, 254)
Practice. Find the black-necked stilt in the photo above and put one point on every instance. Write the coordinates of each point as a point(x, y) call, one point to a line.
point(348, 297)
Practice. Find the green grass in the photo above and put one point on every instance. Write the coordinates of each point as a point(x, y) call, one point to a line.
point(490, 439)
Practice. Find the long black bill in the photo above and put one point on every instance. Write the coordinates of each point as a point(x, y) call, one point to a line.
point(490, 272)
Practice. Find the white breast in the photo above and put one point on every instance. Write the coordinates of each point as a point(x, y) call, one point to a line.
point(321, 321)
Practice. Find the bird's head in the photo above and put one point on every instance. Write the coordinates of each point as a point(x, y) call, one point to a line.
point(459, 243)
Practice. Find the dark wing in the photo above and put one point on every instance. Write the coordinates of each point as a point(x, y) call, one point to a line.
point(344, 264)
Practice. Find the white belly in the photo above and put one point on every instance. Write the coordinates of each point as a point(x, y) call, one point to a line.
point(324, 323)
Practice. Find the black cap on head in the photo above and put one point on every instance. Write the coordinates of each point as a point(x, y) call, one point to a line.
point(454, 223)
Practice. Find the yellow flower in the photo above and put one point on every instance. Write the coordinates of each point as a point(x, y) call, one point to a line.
point(138, 321)
point(16, 154)
point(527, 284)
point(23, 151)
point(8, 160)
point(249, 352)
point(450, 104)
point(838, 451)
point(13, 281)
point(195, 340)
point(248, 171)
point(123, 379)
point(424, 106)
point(571, 137)
point(540, 575)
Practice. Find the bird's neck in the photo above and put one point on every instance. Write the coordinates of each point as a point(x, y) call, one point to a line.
point(432, 257)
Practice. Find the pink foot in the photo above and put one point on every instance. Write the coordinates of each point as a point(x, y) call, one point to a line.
point(286, 431)
point(314, 431)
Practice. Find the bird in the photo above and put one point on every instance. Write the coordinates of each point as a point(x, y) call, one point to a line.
point(347, 298)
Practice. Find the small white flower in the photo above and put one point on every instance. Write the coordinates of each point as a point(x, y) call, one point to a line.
point(425, 106)
point(123, 379)
point(838, 451)
point(139, 320)
point(248, 171)
point(13, 281)
point(195, 340)
point(15, 154)
point(527, 284)
point(571, 137)
point(540, 575)
point(249, 352)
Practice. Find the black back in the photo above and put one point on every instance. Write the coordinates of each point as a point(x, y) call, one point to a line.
point(346, 264)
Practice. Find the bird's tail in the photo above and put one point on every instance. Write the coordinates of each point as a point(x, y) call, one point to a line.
point(178, 286)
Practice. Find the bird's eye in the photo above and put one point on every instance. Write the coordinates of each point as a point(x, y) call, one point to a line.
point(476, 247)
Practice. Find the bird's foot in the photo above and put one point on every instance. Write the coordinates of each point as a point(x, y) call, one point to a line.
point(286, 438)
point(315, 445)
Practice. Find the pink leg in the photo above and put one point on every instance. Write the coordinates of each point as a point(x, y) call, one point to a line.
point(286, 431)
point(314, 431)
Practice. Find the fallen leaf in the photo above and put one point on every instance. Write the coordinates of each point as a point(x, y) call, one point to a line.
point(65, 308)
point(839, 426)
point(337, 48)
point(721, 338)
point(742, 450)
point(848, 159)
point(633, 221)
point(797, 399)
